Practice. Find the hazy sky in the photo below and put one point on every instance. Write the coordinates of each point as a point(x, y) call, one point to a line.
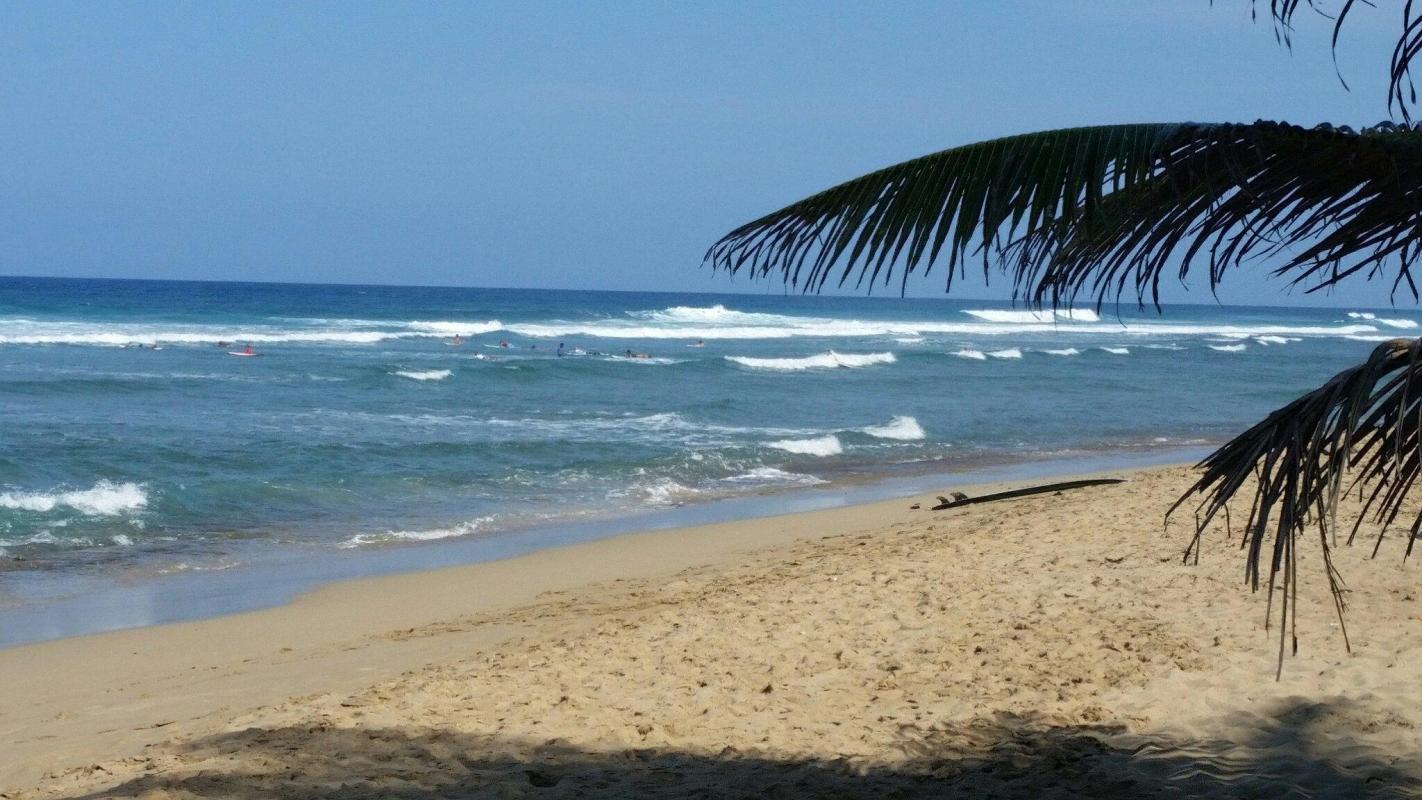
point(588, 145)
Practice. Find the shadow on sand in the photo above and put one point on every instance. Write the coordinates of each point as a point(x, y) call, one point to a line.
point(1300, 750)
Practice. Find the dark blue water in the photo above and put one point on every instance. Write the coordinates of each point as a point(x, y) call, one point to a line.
point(364, 422)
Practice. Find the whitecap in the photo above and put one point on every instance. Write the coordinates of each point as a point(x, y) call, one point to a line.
point(818, 446)
point(103, 499)
point(1362, 315)
point(1228, 348)
point(1065, 351)
point(390, 537)
point(425, 375)
point(968, 352)
point(1118, 351)
point(902, 428)
point(771, 476)
point(1033, 317)
point(828, 360)
point(1406, 324)
point(1011, 352)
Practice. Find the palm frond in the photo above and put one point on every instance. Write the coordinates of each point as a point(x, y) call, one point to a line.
point(1103, 210)
point(1402, 94)
point(1363, 426)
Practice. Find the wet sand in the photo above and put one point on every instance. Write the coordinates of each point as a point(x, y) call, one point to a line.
point(1052, 646)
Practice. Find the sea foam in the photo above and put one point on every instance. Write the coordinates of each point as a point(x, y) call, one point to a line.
point(103, 499)
point(902, 428)
point(391, 537)
point(828, 360)
point(425, 375)
point(1020, 317)
point(1228, 348)
point(818, 446)
point(1011, 352)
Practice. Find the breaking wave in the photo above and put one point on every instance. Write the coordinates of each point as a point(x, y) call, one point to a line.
point(1011, 352)
point(1118, 351)
point(818, 446)
point(1065, 351)
point(970, 353)
point(391, 537)
point(425, 375)
point(103, 499)
point(828, 360)
point(1020, 317)
point(1228, 348)
point(903, 428)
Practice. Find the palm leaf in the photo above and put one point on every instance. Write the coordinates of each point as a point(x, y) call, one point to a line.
point(1402, 95)
point(1364, 426)
point(1104, 210)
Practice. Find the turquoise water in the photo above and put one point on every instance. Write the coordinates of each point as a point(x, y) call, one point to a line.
point(364, 424)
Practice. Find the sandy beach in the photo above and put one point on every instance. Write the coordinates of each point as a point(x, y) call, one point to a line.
point(1052, 646)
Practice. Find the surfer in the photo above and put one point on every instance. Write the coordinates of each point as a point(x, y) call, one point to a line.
point(560, 349)
point(632, 354)
point(247, 351)
point(697, 343)
point(503, 343)
point(456, 341)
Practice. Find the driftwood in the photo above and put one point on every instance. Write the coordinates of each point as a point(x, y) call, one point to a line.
point(1024, 492)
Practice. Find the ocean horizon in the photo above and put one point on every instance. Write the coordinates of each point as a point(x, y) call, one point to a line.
point(143, 445)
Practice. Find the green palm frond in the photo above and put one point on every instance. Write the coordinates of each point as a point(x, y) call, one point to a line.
point(1402, 94)
point(1102, 211)
point(1364, 426)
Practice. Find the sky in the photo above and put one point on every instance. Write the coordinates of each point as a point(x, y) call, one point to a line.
point(577, 145)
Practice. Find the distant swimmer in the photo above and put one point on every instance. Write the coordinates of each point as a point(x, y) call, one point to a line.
point(560, 349)
point(503, 343)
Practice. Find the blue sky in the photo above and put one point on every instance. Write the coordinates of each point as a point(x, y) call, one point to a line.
point(563, 145)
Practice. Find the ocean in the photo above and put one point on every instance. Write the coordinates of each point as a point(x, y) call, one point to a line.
point(136, 449)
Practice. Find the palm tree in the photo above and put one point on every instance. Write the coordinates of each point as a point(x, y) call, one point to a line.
point(1100, 213)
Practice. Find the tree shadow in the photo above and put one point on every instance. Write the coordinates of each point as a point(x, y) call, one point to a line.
point(1301, 749)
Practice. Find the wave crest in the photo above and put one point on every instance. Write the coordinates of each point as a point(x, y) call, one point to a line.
point(828, 360)
point(901, 428)
point(103, 499)
point(818, 446)
point(1021, 317)
point(425, 375)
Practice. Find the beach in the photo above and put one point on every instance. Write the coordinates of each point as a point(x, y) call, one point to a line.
point(1038, 647)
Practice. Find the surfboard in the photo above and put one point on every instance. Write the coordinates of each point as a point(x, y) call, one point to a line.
point(243, 355)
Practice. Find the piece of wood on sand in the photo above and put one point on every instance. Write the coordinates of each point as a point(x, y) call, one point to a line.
point(959, 500)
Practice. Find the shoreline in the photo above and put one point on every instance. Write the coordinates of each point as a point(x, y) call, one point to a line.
point(1021, 647)
point(166, 679)
point(198, 595)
